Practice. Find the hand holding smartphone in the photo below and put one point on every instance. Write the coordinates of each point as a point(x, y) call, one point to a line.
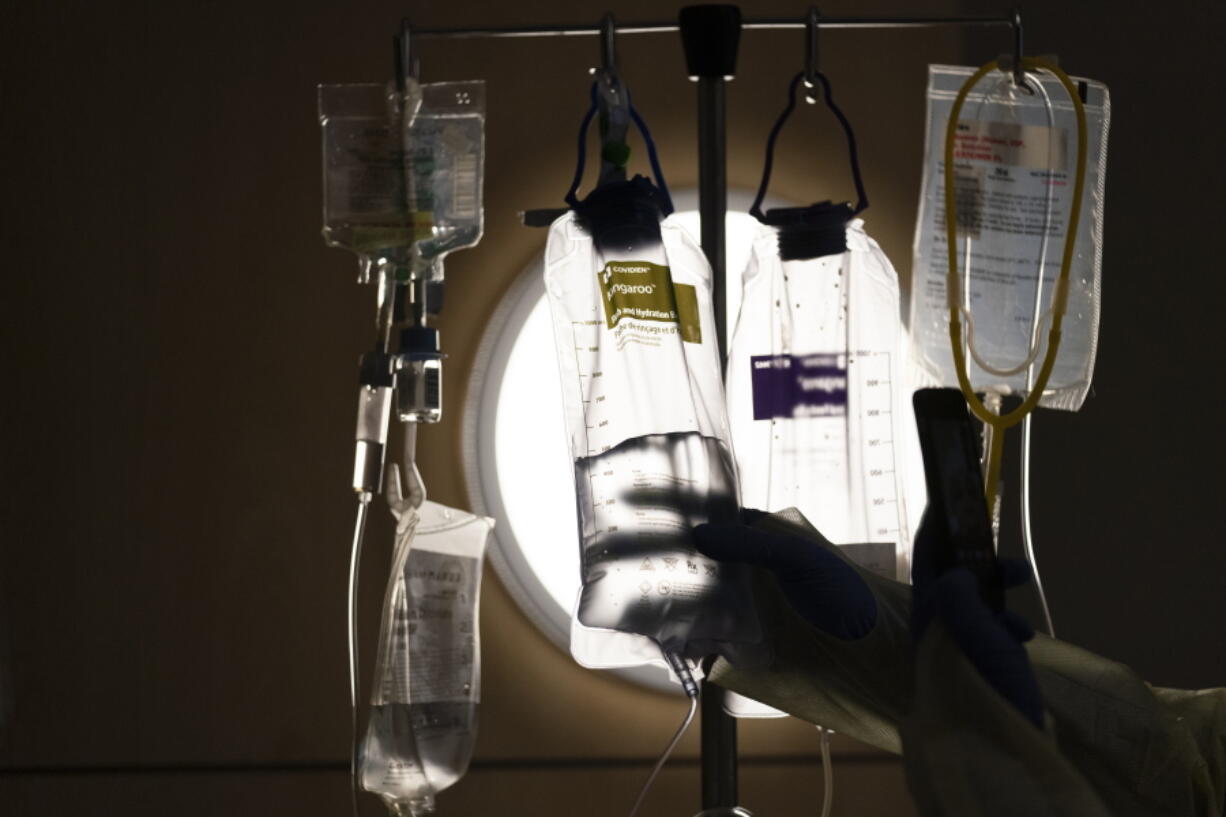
point(956, 503)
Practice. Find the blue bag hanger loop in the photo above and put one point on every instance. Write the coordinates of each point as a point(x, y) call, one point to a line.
point(571, 198)
point(814, 79)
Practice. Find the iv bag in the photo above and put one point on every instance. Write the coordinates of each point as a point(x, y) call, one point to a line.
point(403, 173)
point(819, 398)
point(427, 682)
point(648, 434)
point(1015, 160)
point(819, 402)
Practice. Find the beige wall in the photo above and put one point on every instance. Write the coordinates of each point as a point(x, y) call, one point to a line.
point(180, 352)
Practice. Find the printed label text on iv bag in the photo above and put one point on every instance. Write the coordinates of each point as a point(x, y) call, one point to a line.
point(1011, 188)
point(643, 291)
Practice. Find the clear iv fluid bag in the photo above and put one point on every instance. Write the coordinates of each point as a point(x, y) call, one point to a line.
point(413, 751)
point(643, 400)
point(819, 387)
point(1014, 172)
point(427, 684)
point(397, 185)
point(819, 398)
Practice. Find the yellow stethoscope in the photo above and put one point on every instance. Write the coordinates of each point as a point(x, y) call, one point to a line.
point(1000, 422)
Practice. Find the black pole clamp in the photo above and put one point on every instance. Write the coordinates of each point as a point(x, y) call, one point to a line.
point(710, 35)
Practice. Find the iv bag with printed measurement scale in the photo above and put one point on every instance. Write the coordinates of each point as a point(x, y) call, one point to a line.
point(819, 402)
point(819, 398)
point(1014, 171)
point(648, 433)
point(427, 683)
point(403, 172)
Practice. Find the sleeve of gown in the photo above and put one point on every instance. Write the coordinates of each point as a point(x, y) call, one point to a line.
point(968, 752)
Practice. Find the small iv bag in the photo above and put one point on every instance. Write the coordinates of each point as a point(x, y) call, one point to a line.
point(1015, 153)
point(427, 684)
point(403, 173)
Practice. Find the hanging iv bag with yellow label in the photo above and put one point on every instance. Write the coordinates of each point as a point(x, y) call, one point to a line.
point(427, 683)
point(1015, 151)
point(643, 398)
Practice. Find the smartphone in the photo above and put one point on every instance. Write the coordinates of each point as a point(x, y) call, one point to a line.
point(955, 492)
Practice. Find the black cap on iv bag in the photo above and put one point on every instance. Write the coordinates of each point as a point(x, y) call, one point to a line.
point(624, 215)
point(821, 228)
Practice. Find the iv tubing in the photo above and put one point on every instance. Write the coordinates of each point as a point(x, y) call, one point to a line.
point(1027, 531)
point(1027, 534)
point(682, 670)
point(355, 560)
point(827, 772)
point(1060, 297)
point(668, 750)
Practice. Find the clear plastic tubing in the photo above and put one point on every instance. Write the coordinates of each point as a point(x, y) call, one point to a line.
point(355, 561)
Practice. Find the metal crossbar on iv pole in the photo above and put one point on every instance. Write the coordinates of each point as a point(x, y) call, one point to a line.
point(764, 24)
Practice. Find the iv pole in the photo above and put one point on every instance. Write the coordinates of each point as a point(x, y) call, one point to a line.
point(710, 35)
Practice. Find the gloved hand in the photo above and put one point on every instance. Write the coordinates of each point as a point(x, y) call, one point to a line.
point(991, 641)
point(825, 590)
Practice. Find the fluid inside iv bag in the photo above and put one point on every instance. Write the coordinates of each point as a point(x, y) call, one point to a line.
point(1015, 158)
point(426, 691)
point(643, 400)
point(404, 187)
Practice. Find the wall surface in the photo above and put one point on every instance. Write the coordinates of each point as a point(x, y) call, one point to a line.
point(1124, 490)
point(179, 352)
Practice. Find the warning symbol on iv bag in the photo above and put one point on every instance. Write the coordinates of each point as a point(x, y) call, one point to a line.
point(647, 565)
point(670, 563)
point(645, 587)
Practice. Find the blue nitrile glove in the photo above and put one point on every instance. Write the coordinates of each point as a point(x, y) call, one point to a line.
point(991, 641)
point(825, 590)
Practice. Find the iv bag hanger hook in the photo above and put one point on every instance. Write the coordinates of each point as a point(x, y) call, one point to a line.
point(817, 86)
point(812, 23)
point(1019, 73)
point(613, 102)
point(608, 42)
point(407, 64)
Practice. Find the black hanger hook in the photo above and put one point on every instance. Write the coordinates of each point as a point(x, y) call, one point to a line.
point(1019, 75)
point(811, 61)
point(608, 43)
point(406, 60)
point(819, 81)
